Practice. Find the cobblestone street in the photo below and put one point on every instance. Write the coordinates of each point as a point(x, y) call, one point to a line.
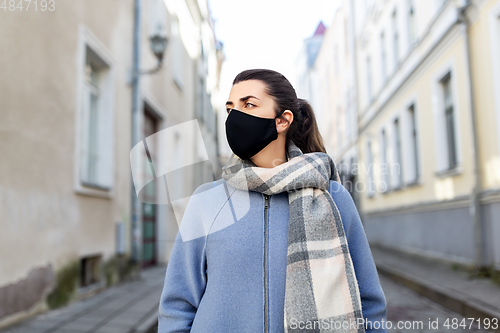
point(408, 307)
point(130, 307)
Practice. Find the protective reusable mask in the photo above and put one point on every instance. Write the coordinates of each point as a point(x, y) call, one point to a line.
point(248, 134)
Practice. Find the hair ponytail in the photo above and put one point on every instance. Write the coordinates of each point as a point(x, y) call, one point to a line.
point(304, 130)
point(305, 134)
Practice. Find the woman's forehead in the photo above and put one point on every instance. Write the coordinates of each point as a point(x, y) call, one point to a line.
point(254, 88)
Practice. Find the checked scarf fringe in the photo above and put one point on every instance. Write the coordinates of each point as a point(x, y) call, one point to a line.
point(322, 293)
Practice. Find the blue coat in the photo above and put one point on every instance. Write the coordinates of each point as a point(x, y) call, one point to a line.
point(215, 276)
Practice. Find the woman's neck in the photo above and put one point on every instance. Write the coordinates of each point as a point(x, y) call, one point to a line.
point(272, 155)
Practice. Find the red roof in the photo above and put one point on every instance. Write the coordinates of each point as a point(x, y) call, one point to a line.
point(320, 30)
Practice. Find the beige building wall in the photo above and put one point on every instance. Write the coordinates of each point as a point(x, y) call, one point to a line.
point(485, 41)
point(50, 220)
point(44, 218)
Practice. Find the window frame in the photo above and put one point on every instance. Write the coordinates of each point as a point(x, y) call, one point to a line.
point(177, 54)
point(449, 115)
point(91, 48)
point(384, 159)
point(395, 38)
point(369, 80)
point(442, 158)
point(370, 175)
point(494, 29)
point(397, 154)
point(412, 145)
point(412, 24)
point(383, 56)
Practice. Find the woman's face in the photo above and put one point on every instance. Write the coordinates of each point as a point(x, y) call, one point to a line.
point(250, 96)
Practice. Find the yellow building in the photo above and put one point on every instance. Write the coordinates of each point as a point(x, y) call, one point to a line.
point(429, 126)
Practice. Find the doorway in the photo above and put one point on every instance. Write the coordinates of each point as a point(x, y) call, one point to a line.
point(149, 206)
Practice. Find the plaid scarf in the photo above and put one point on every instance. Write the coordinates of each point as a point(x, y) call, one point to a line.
point(322, 292)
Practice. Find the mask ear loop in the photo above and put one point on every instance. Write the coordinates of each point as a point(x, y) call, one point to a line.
point(280, 114)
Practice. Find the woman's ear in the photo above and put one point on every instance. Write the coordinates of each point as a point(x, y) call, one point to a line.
point(284, 121)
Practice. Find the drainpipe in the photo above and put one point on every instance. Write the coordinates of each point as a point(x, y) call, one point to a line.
point(355, 100)
point(475, 206)
point(136, 135)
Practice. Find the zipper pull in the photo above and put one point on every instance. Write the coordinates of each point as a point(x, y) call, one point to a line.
point(266, 197)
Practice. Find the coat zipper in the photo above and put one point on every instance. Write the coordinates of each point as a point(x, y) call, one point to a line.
point(266, 207)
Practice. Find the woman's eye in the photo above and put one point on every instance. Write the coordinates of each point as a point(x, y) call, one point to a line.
point(228, 110)
point(249, 104)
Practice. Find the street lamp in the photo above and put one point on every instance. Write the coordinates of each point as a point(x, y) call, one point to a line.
point(158, 44)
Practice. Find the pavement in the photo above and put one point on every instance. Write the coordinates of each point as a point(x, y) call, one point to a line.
point(453, 288)
point(132, 307)
point(410, 312)
point(129, 307)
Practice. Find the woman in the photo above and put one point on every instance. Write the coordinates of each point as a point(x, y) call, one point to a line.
point(277, 244)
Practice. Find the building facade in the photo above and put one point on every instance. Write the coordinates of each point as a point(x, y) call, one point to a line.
point(428, 135)
point(306, 85)
point(336, 78)
point(66, 130)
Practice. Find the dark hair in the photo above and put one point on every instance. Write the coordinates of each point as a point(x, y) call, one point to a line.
point(304, 130)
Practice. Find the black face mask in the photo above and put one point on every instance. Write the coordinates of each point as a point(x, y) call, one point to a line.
point(248, 134)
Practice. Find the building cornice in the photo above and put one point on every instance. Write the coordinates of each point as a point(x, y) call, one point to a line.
point(441, 29)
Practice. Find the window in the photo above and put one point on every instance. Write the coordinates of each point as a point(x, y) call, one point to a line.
point(447, 141)
point(384, 169)
point(336, 61)
point(346, 38)
point(92, 97)
point(370, 179)
point(383, 57)
point(412, 23)
point(349, 116)
point(395, 38)
point(368, 81)
point(413, 154)
point(449, 116)
point(177, 55)
point(200, 100)
point(340, 169)
point(339, 127)
point(95, 170)
point(397, 168)
point(90, 270)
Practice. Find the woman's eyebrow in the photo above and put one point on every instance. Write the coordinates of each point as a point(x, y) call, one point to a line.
point(246, 98)
point(243, 99)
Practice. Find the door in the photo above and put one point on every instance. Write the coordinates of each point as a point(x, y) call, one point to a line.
point(149, 208)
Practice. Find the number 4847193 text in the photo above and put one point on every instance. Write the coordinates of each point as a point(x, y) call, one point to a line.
point(26, 5)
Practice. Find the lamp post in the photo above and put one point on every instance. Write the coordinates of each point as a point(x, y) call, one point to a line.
point(158, 44)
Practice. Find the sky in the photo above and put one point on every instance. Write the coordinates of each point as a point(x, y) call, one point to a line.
point(265, 33)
